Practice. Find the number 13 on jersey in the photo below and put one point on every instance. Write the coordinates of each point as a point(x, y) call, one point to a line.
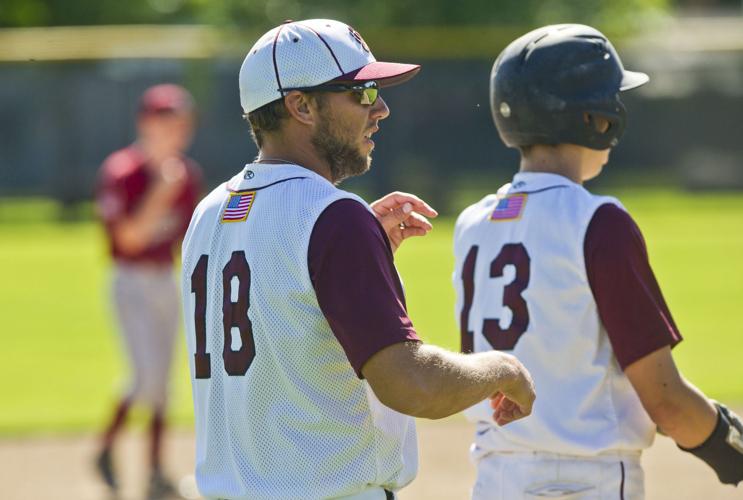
point(502, 339)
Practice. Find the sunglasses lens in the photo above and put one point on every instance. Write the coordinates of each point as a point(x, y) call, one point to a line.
point(368, 96)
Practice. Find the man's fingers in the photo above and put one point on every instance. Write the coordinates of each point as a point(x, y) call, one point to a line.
point(503, 417)
point(508, 405)
point(403, 217)
point(395, 200)
point(398, 214)
point(506, 410)
point(392, 200)
point(395, 217)
point(417, 220)
point(496, 400)
point(413, 231)
point(522, 394)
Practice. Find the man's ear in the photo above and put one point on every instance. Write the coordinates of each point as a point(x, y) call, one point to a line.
point(300, 107)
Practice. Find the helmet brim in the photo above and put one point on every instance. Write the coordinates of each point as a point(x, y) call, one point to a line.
point(632, 80)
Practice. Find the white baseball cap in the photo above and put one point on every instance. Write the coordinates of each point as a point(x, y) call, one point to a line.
point(302, 54)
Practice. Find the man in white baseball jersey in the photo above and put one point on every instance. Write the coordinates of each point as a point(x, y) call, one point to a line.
point(305, 365)
point(560, 278)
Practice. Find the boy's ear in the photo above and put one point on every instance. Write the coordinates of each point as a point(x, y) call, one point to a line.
point(599, 123)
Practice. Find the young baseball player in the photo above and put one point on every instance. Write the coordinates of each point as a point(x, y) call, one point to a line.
point(560, 278)
point(305, 365)
point(146, 194)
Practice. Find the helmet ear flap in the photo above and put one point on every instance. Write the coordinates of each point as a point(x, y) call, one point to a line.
point(603, 128)
point(591, 125)
point(600, 124)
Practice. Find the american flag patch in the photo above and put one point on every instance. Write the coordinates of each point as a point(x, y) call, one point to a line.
point(238, 206)
point(509, 208)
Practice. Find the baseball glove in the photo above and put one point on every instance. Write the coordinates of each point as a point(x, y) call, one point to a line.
point(723, 450)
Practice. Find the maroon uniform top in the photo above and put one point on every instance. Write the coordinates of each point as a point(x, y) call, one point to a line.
point(629, 300)
point(122, 183)
point(357, 286)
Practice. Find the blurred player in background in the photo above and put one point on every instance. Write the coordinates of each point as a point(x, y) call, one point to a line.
point(305, 365)
point(146, 195)
point(560, 278)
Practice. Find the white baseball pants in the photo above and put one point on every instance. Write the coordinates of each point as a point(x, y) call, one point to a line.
point(147, 303)
point(538, 475)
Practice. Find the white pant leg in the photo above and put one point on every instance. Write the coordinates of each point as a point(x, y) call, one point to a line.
point(534, 476)
point(166, 314)
point(147, 305)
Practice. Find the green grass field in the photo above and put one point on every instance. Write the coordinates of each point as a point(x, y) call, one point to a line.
point(61, 365)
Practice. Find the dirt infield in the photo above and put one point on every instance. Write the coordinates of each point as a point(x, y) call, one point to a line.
point(60, 468)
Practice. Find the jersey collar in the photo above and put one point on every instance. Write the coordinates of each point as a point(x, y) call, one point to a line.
point(527, 182)
point(257, 175)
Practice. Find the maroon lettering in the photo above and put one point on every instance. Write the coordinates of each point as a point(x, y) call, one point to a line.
point(235, 314)
point(468, 283)
point(513, 254)
point(202, 362)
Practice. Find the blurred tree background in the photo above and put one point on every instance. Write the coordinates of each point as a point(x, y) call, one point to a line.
point(613, 15)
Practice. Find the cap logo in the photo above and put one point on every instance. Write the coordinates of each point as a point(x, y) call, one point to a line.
point(357, 37)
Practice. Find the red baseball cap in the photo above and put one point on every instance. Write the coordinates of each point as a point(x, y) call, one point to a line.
point(165, 98)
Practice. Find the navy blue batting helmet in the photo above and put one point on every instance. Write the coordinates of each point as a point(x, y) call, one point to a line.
point(545, 84)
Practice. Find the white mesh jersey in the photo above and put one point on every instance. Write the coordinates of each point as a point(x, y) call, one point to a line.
point(291, 420)
point(522, 287)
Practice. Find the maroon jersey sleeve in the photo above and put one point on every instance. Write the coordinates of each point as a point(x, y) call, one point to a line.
point(113, 199)
point(629, 300)
point(356, 283)
point(186, 203)
point(123, 182)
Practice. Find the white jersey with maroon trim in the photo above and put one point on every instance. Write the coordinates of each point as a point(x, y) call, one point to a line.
point(280, 412)
point(522, 287)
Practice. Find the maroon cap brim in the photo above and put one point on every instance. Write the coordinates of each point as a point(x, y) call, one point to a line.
point(166, 98)
point(386, 74)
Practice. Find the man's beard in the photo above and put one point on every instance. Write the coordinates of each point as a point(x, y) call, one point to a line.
point(342, 156)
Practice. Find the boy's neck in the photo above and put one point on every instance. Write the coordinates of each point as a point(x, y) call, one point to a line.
point(554, 160)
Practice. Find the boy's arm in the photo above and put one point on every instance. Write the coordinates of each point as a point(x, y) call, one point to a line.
point(679, 409)
point(683, 412)
point(642, 331)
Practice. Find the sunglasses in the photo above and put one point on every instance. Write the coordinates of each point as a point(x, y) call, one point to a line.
point(366, 92)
